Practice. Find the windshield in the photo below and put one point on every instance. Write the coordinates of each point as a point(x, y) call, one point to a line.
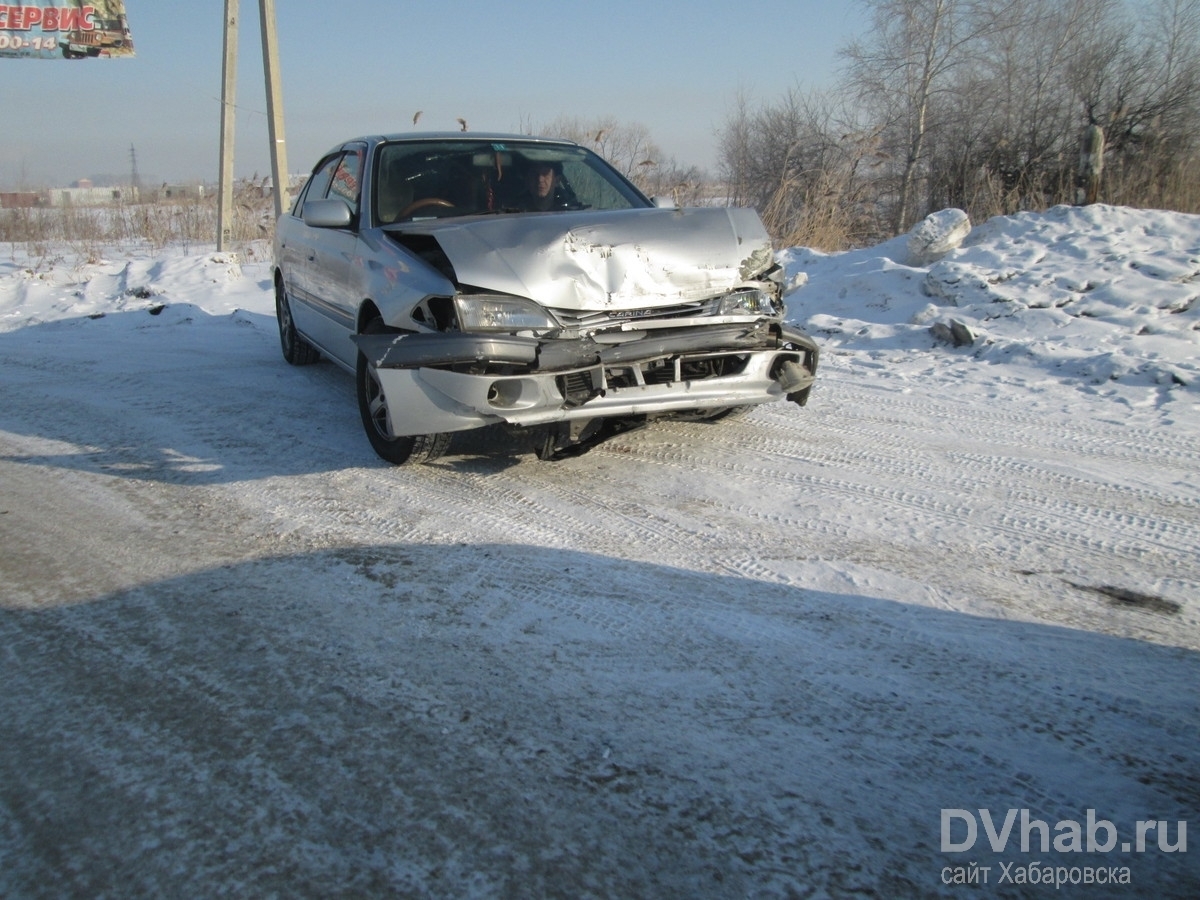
point(437, 179)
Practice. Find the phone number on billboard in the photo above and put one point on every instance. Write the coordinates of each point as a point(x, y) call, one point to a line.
point(13, 42)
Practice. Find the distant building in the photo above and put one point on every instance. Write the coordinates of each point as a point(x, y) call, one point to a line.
point(89, 196)
point(23, 200)
point(181, 192)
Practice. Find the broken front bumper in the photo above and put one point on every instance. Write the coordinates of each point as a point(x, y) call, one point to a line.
point(432, 385)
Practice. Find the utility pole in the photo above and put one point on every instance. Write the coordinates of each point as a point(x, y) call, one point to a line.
point(270, 50)
point(135, 188)
point(228, 97)
point(279, 171)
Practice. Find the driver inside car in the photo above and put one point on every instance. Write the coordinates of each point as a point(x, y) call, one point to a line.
point(542, 191)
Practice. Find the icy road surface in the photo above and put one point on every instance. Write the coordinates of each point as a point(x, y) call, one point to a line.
point(239, 656)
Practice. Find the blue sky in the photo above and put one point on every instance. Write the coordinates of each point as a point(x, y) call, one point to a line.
point(352, 68)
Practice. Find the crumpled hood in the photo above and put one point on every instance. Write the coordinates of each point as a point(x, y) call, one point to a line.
point(615, 259)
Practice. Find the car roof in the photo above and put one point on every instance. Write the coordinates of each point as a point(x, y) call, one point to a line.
point(442, 136)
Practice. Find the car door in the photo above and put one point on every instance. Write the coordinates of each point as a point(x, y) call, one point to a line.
point(328, 295)
point(297, 246)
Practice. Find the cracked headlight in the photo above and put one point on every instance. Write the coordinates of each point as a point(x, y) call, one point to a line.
point(748, 300)
point(492, 313)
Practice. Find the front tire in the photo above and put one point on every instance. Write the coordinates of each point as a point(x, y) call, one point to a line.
point(399, 450)
point(296, 350)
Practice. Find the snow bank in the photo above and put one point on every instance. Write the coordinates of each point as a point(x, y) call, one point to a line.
point(1092, 294)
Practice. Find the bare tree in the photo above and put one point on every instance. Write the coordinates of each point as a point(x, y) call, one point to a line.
point(982, 104)
point(627, 145)
point(914, 48)
point(1025, 114)
point(801, 162)
point(735, 154)
point(683, 185)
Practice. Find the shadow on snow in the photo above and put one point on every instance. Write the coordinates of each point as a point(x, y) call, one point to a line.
point(510, 721)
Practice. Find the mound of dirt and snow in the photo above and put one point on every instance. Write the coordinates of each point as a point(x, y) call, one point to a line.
point(1095, 293)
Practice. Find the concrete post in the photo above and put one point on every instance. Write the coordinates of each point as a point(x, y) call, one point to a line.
point(228, 111)
point(270, 50)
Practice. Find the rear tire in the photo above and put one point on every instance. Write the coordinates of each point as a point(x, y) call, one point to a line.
point(296, 350)
point(377, 420)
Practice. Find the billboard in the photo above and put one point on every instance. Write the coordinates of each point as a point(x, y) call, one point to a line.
point(71, 30)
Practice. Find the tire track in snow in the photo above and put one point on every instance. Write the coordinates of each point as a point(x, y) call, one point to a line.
point(1038, 517)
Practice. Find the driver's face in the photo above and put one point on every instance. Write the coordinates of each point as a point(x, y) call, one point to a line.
point(541, 180)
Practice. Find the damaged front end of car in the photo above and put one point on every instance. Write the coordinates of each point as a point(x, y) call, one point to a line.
point(638, 316)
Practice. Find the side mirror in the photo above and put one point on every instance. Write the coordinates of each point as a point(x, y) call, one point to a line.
point(664, 202)
point(330, 213)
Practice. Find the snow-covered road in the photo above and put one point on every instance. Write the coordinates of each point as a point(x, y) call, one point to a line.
point(242, 657)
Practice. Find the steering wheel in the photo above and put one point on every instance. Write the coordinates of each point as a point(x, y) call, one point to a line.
point(421, 204)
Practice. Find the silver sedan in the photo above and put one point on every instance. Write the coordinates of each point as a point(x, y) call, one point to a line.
point(469, 280)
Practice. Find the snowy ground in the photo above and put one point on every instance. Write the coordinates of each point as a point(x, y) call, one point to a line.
point(242, 657)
